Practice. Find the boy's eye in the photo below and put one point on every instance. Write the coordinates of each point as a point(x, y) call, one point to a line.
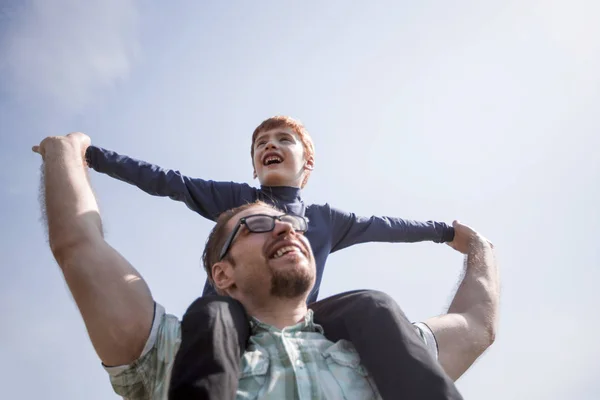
point(260, 144)
point(286, 140)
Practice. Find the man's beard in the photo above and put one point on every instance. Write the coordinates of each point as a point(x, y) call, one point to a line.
point(290, 284)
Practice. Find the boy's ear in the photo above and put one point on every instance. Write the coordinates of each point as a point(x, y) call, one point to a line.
point(254, 176)
point(309, 164)
point(222, 273)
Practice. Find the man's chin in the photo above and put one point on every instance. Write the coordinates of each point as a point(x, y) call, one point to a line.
point(291, 283)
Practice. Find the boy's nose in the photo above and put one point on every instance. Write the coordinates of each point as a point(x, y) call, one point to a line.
point(271, 145)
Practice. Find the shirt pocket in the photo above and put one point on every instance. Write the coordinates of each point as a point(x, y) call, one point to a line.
point(253, 376)
point(350, 375)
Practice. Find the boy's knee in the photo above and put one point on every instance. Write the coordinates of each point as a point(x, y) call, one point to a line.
point(374, 296)
point(376, 301)
point(215, 304)
point(217, 314)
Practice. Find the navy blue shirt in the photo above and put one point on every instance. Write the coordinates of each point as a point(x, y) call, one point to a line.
point(329, 229)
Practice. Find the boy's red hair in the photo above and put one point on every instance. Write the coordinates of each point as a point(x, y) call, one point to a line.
point(295, 125)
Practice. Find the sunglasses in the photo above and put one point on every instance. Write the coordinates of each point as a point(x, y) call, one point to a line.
point(261, 223)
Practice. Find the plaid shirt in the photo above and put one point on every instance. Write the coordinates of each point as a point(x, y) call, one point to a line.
point(297, 362)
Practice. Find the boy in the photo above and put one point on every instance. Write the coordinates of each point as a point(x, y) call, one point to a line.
point(283, 158)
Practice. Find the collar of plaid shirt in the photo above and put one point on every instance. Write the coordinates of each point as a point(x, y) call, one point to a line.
point(299, 362)
point(307, 325)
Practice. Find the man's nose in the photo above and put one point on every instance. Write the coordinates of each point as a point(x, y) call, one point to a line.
point(282, 228)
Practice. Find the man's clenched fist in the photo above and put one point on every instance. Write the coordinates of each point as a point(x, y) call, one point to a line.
point(464, 236)
point(81, 140)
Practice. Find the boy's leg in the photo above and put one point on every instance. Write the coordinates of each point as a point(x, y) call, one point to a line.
point(387, 343)
point(214, 333)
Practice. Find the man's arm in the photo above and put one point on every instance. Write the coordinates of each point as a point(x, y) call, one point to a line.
point(469, 327)
point(349, 229)
point(114, 301)
point(207, 198)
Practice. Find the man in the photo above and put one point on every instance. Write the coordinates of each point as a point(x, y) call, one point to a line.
point(288, 356)
point(283, 157)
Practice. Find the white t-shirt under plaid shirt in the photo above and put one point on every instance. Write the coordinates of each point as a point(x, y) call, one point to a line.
point(297, 362)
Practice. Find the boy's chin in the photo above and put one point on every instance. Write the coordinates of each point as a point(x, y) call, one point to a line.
point(276, 179)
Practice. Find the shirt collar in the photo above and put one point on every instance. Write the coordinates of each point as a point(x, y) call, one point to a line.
point(286, 198)
point(306, 325)
point(283, 193)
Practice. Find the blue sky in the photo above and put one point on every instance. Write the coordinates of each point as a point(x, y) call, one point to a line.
point(485, 112)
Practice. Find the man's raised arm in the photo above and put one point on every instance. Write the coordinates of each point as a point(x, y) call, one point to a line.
point(114, 301)
point(469, 327)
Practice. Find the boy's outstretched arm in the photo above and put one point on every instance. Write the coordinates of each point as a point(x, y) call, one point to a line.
point(469, 327)
point(349, 229)
point(207, 198)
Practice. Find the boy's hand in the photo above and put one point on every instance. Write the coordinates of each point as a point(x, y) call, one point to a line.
point(78, 139)
point(463, 237)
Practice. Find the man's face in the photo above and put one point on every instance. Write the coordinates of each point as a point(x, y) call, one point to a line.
point(279, 158)
point(279, 263)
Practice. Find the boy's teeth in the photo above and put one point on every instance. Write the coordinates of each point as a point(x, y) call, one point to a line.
point(272, 158)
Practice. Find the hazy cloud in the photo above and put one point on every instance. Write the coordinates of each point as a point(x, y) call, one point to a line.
point(62, 52)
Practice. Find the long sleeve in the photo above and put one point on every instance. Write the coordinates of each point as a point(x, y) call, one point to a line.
point(207, 198)
point(349, 229)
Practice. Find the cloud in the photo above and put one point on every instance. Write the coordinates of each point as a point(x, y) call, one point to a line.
point(63, 52)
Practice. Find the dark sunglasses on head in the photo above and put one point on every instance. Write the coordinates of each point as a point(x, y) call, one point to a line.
point(260, 223)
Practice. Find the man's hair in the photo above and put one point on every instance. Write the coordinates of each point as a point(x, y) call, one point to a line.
point(295, 125)
point(218, 236)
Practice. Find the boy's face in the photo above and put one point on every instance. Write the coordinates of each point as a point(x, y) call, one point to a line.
point(279, 158)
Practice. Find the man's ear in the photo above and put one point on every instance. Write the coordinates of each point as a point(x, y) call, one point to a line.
point(310, 163)
point(222, 274)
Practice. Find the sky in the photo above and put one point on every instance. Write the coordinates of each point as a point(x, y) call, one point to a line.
point(486, 112)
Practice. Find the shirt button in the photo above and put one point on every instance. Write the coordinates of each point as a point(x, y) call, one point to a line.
point(299, 363)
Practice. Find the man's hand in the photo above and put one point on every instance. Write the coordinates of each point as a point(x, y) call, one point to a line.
point(464, 236)
point(78, 139)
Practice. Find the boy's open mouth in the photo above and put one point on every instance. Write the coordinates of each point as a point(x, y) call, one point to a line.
point(270, 159)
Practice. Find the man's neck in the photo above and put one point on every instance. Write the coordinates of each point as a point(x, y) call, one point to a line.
point(279, 312)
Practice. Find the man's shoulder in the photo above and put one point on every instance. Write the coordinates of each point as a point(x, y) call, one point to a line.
point(164, 339)
point(144, 378)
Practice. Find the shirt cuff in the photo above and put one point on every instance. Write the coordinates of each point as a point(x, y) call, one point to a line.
point(429, 338)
